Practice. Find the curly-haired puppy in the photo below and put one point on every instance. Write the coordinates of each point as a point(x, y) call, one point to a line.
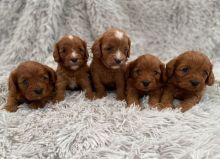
point(187, 74)
point(145, 76)
point(72, 71)
point(32, 83)
point(110, 52)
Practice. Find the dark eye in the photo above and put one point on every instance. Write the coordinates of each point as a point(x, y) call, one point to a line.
point(109, 49)
point(185, 70)
point(25, 82)
point(205, 73)
point(45, 77)
point(156, 72)
point(81, 50)
point(63, 50)
point(137, 71)
point(126, 50)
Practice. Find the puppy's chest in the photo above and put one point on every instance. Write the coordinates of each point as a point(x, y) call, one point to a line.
point(107, 77)
point(72, 83)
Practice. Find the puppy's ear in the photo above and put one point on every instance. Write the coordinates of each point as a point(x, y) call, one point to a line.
point(170, 67)
point(163, 75)
point(211, 78)
point(56, 54)
point(12, 83)
point(129, 51)
point(86, 51)
point(129, 70)
point(52, 74)
point(96, 48)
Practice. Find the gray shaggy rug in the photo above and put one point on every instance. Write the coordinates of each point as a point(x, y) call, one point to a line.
point(79, 128)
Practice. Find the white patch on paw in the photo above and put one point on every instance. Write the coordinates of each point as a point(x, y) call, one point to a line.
point(119, 34)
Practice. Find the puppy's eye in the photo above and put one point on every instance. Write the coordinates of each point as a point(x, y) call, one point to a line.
point(25, 82)
point(205, 73)
point(63, 50)
point(137, 71)
point(45, 77)
point(185, 70)
point(126, 50)
point(109, 49)
point(156, 73)
point(81, 50)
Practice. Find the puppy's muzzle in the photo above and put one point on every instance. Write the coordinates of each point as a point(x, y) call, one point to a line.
point(194, 83)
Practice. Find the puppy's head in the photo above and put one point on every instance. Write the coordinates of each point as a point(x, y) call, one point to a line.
point(71, 52)
point(147, 73)
point(113, 48)
point(190, 71)
point(32, 81)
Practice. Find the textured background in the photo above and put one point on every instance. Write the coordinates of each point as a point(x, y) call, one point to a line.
point(103, 128)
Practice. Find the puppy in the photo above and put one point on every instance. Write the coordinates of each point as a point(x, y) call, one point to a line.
point(110, 52)
point(145, 76)
point(31, 82)
point(72, 71)
point(187, 74)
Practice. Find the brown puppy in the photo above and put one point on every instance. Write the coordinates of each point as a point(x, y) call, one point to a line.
point(110, 52)
point(31, 82)
point(145, 76)
point(71, 55)
point(187, 74)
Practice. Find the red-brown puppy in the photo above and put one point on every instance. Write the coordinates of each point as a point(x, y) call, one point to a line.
point(31, 82)
point(187, 74)
point(145, 76)
point(71, 55)
point(110, 52)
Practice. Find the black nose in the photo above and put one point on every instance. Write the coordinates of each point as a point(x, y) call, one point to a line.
point(118, 61)
point(194, 82)
point(74, 60)
point(39, 91)
point(146, 83)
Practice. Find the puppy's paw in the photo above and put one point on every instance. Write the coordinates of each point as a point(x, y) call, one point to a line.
point(184, 109)
point(90, 95)
point(100, 95)
point(33, 106)
point(120, 97)
point(58, 99)
point(154, 104)
point(10, 108)
point(164, 106)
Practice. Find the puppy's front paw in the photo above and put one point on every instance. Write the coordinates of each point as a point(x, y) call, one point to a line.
point(11, 108)
point(58, 99)
point(90, 95)
point(165, 105)
point(120, 97)
point(101, 94)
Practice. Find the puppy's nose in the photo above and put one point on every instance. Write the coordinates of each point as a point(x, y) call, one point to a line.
point(39, 91)
point(118, 61)
point(194, 82)
point(146, 83)
point(74, 60)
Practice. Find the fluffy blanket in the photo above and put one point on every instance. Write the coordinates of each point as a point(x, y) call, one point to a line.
point(79, 128)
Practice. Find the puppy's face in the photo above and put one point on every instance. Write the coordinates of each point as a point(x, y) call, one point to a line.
point(32, 81)
point(191, 71)
point(71, 52)
point(113, 48)
point(147, 73)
